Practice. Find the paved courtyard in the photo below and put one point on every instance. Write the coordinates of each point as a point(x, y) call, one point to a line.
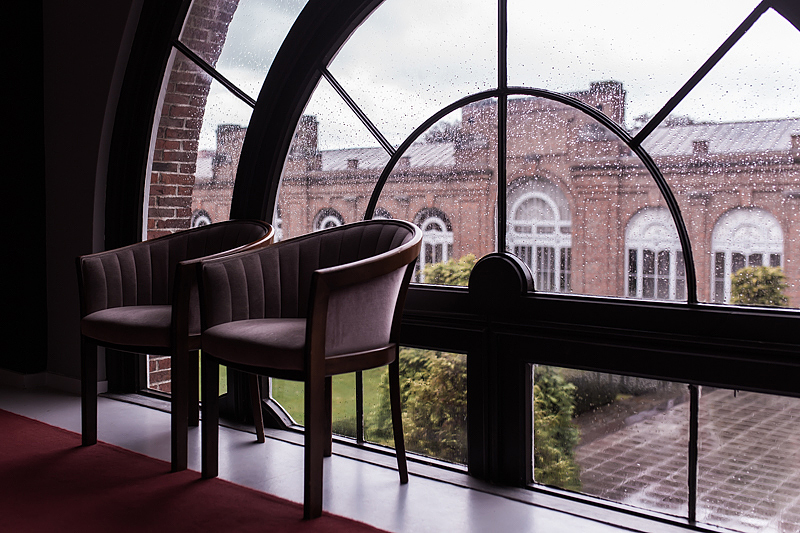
point(749, 466)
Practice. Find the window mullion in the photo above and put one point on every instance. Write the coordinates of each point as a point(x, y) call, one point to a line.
point(694, 426)
point(502, 120)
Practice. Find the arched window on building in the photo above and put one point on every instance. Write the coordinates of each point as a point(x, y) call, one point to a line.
point(278, 223)
point(654, 260)
point(540, 233)
point(327, 218)
point(743, 237)
point(381, 213)
point(437, 239)
point(200, 218)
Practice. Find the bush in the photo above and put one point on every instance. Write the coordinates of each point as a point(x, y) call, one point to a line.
point(433, 392)
point(759, 285)
point(452, 272)
point(554, 434)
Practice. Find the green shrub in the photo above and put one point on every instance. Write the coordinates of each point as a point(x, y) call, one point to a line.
point(433, 393)
point(452, 272)
point(759, 285)
point(554, 434)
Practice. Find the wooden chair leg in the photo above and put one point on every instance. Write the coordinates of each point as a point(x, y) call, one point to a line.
point(328, 417)
point(315, 434)
point(255, 403)
point(397, 420)
point(210, 424)
point(179, 406)
point(193, 377)
point(88, 392)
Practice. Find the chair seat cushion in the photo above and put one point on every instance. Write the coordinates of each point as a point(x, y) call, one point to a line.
point(276, 343)
point(135, 325)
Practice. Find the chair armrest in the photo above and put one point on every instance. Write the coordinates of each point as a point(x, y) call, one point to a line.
point(358, 305)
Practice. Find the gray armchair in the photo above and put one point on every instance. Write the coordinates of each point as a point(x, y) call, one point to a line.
point(143, 298)
point(306, 309)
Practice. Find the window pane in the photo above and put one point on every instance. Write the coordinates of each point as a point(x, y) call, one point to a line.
point(574, 186)
point(445, 184)
point(434, 401)
point(290, 395)
point(239, 37)
point(411, 58)
point(749, 463)
point(619, 438)
point(617, 40)
point(332, 167)
point(729, 152)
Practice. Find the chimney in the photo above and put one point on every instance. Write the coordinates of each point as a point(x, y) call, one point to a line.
point(796, 148)
point(700, 148)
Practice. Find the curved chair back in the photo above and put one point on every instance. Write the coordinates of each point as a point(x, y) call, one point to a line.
point(260, 293)
point(144, 273)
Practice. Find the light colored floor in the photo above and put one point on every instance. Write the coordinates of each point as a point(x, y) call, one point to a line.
point(353, 488)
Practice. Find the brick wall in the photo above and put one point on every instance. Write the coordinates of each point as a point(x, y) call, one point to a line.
point(172, 174)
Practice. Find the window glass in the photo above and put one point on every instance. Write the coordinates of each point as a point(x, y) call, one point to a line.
point(615, 437)
point(240, 37)
point(729, 152)
point(559, 49)
point(573, 185)
point(411, 58)
point(434, 400)
point(749, 461)
point(445, 183)
point(332, 166)
point(290, 395)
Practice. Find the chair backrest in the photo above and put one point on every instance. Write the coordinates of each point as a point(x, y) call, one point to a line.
point(144, 273)
point(276, 281)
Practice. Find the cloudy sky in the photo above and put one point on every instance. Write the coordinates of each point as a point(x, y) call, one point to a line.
point(413, 57)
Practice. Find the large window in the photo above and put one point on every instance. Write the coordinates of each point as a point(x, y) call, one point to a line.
point(656, 268)
point(540, 233)
point(616, 158)
point(743, 238)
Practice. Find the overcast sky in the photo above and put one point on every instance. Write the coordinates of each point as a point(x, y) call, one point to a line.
point(413, 57)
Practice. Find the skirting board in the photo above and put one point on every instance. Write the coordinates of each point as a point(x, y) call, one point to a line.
point(45, 379)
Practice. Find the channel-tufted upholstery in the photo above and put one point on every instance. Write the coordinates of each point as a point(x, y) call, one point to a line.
point(308, 308)
point(143, 298)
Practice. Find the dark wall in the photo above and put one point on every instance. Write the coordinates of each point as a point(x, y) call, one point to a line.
point(24, 296)
point(81, 64)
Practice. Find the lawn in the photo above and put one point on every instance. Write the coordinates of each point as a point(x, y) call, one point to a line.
point(290, 395)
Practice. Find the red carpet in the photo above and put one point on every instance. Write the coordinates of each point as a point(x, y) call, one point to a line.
point(49, 483)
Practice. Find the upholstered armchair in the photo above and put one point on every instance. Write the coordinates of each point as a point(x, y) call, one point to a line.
point(143, 298)
point(306, 309)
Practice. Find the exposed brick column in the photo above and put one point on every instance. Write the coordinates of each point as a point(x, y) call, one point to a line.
point(175, 155)
point(172, 175)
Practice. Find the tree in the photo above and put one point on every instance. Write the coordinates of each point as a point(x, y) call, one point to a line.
point(554, 434)
point(759, 285)
point(451, 272)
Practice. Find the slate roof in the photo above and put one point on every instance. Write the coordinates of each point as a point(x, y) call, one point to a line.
point(726, 137)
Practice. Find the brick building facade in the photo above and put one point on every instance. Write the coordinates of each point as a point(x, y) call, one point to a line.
point(578, 199)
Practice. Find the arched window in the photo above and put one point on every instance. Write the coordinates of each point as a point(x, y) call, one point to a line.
point(579, 95)
point(200, 218)
point(327, 218)
point(743, 237)
point(540, 233)
point(437, 239)
point(655, 264)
